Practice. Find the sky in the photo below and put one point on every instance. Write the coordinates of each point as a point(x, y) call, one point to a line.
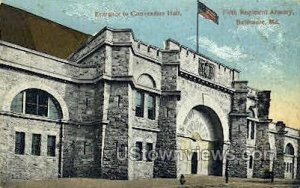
point(267, 55)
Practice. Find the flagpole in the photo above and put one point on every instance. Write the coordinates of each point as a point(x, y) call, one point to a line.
point(197, 34)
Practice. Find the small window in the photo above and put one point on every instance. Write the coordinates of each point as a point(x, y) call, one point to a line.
point(139, 104)
point(20, 143)
point(151, 107)
point(251, 162)
point(252, 129)
point(139, 151)
point(51, 145)
point(118, 100)
point(291, 167)
point(36, 144)
point(84, 147)
point(289, 149)
point(248, 128)
point(121, 148)
point(149, 148)
point(284, 164)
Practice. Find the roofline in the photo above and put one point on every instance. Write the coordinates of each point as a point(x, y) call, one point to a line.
point(106, 28)
point(189, 49)
point(46, 19)
point(296, 129)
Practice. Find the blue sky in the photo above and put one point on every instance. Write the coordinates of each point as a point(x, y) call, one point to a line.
point(268, 56)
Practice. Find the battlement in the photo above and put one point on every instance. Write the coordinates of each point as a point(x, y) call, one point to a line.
point(189, 61)
point(116, 37)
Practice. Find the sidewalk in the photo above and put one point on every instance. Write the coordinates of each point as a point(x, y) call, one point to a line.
point(191, 181)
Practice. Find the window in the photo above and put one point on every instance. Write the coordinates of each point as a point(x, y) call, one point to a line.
point(20, 143)
point(121, 149)
point(84, 147)
point(252, 130)
point(251, 162)
point(17, 104)
point(151, 107)
point(36, 144)
point(289, 149)
point(51, 143)
point(149, 148)
point(139, 151)
point(36, 102)
point(291, 167)
point(284, 164)
point(248, 128)
point(139, 104)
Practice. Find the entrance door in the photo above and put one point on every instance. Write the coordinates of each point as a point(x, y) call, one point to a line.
point(194, 163)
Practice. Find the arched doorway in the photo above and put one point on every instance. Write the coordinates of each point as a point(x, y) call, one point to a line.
point(201, 142)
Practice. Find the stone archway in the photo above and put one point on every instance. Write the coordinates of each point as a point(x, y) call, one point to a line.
point(201, 133)
point(8, 98)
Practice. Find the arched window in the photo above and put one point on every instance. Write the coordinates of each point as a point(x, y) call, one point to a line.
point(146, 80)
point(36, 102)
point(289, 149)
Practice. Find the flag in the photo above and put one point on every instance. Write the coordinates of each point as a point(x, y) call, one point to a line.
point(207, 13)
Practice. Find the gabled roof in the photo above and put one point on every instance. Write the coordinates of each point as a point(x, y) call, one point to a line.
point(34, 32)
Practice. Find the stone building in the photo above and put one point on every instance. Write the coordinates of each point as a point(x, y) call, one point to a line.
point(116, 105)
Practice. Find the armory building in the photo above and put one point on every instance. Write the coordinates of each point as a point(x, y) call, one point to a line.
point(81, 116)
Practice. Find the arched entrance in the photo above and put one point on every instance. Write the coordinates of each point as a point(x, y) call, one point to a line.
point(200, 140)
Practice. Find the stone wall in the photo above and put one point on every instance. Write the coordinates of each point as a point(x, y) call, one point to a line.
point(27, 166)
point(116, 134)
point(117, 105)
point(238, 131)
point(81, 150)
point(166, 138)
point(279, 143)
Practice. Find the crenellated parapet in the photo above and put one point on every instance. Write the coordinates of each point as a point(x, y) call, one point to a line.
point(199, 64)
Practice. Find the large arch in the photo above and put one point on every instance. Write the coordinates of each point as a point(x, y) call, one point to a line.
point(8, 98)
point(193, 102)
point(201, 132)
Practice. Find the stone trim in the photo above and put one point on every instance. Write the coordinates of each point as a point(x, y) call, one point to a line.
point(238, 114)
point(28, 116)
point(197, 79)
point(189, 137)
point(118, 44)
point(8, 98)
point(146, 129)
point(41, 118)
point(20, 48)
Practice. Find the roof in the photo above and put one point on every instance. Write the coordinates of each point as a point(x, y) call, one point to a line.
point(34, 32)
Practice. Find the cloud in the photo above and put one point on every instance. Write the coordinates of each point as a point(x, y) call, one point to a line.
point(270, 34)
point(87, 10)
point(225, 52)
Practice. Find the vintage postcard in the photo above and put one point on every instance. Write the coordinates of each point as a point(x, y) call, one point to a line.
point(149, 93)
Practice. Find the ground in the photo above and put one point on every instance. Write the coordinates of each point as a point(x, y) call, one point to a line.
point(191, 181)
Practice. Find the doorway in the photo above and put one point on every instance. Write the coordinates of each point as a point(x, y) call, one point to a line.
point(194, 163)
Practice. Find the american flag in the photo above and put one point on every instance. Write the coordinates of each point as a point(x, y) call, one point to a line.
point(207, 13)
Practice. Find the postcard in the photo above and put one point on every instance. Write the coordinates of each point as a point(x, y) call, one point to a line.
point(155, 93)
